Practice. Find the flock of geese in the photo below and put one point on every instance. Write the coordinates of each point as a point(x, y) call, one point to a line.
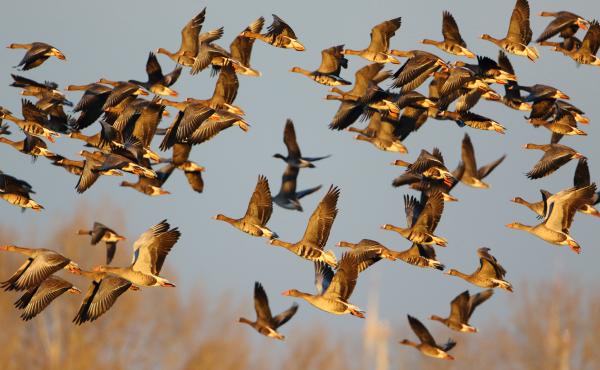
point(128, 122)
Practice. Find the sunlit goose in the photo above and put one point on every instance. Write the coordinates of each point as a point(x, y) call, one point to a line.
point(149, 253)
point(334, 290)
point(317, 231)
point(461, 309)
point(37, 53)
point(378, 49)
point(559, 212)
point(259, 211)
point(427, 345)
point(519, 33)
point(490, 273)
point(279, 34)
point(424, 220)
point(267, 324)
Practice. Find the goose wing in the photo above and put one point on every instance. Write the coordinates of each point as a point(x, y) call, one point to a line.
point(582, 174)
point(260, 206)
point(321, 220)
point(432, 212)
point(279, 27)
point(100, 298)
point(468, 157)
point(332, 60)
point(519, 30)
point(241, 47)
point(459, 308)
point(323, 276)
point(476, 300)
point(261, 303)
point(289, 139)
point(36, 299)
point(153, 246)
point(285, 316)
point(189, 34)
point(43, 265)
point(381, 34)
point(450, 30)
point(421, 331)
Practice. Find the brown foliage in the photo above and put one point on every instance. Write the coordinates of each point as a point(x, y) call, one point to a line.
point(548, 326)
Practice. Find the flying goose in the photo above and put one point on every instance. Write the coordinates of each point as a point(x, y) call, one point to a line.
point(586, 54)
point(422, 220)
point(417, 69)
point(241, 48)
point(428, 186)
point(91, 103)
point(490, 273)
point(328, 73)
point(474, 120)
point(453, 43)
point(563, 123)
point(427, 345)
point(580, 180)
point(461, 309)
point(259, 211)
point(378, 250)
point(559, 212)
point(378, 49)
point(555, 156)
point(17, 192)
point(47, 90)
point(430, 165)
point(279, 34)
point(355, 101)
point(564, 23)
point(37, 53)
point(152, 186)
point(40, 264)
point(158, 83)
point(34, 120)
point(265, 323)
point(383, 133)
point(519, 33)
point(37, 298)
point(101, 232)
point(123, 93)
point(334, 290)
point(473, 176)
point(31, 145)
point(188, 50)
point(315, 237)
point(294, 157)
point(149, 253)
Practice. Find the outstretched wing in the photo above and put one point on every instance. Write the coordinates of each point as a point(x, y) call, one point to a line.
point(260, 206)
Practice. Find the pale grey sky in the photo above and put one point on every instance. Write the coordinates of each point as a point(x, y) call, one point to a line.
point(112, 39)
